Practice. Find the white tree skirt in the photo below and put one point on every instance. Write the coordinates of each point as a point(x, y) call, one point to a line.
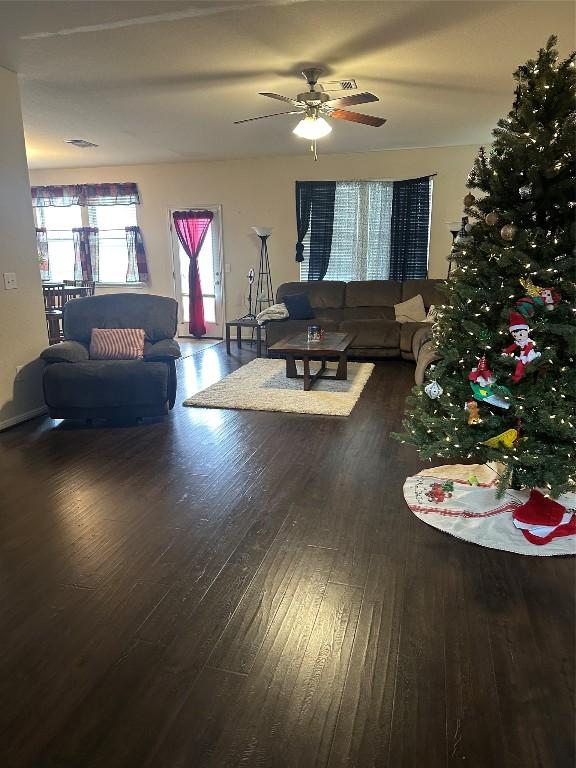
point(474, 513)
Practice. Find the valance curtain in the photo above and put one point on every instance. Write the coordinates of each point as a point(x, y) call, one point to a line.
point(85, 253)
point(137, 270)
point(42, 247)
point(191, 228)
point(409, 231)
point(315, 211)
point(125, 193)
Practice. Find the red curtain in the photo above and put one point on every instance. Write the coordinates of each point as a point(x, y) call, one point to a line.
point(191, 228)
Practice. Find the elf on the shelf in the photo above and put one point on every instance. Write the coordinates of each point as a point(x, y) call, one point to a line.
point(523, 344)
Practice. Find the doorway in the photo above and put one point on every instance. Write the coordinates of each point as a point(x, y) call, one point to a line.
point(211, 275)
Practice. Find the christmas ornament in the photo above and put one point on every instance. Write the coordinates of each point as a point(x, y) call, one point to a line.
point(509, 232)
point(491, 218)
point(542, 519)
point(473, 480)
point(433, 390)
point(523, 344)
point(481, 382)
point(527, 305)
point(506, 439)
point(471, 408)
point(468, 227)
point(525, 191)
point(482, 375)
point(550, 297)
point(529, 287)
point(484, 335)
point(469, 200)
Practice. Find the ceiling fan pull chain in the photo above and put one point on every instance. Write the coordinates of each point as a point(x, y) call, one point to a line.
point(313, 148)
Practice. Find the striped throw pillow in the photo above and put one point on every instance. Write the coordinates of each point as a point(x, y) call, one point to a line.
point(117, 343)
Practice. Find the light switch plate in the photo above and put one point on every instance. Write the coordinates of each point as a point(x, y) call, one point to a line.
point(10, 282)
point(227, 268)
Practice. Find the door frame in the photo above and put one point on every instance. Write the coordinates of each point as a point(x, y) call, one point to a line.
point(174, 251)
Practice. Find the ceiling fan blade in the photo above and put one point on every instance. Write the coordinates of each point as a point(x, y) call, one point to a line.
point(357, 117)
point(356, 98)
point(280, 98)
point(261, 117)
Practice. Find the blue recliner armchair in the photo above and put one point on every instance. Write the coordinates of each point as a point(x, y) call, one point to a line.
point(76, 387)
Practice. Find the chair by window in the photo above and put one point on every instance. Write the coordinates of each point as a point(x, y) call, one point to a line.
point(54, 300)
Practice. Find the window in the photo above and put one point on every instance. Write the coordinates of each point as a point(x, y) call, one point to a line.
point(380, 229)
point(59, 223)
point(111, 221)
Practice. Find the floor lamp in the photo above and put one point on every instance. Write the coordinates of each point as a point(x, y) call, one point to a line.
point(264, 290)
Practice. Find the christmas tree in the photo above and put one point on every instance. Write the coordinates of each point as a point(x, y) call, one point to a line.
point(504, 388)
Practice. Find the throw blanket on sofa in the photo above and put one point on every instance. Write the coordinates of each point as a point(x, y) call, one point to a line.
point(275, 312)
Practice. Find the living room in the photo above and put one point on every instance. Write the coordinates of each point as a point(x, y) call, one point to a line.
point(253, 579)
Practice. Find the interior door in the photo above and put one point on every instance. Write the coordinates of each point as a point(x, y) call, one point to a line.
point(210, 268)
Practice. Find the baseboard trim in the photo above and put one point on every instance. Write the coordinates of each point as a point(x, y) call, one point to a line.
point(23, 417)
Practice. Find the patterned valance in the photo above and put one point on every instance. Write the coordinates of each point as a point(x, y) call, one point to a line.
point(86, 194)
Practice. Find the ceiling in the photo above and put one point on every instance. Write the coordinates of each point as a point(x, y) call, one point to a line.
point(163, 81)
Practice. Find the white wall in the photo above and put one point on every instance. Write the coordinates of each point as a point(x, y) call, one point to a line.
point(261, 192)
point(22, 322)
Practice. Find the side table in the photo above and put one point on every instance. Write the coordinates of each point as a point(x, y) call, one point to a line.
point(239, 324)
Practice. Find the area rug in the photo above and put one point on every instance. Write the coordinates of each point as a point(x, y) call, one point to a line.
point(261, 385)
point(444, 498)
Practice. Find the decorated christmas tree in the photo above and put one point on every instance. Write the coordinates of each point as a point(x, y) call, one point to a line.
point(504, 388)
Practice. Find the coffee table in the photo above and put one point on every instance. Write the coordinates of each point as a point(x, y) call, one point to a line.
point(297, 347)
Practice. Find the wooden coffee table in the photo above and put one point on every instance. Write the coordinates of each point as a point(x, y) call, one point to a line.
point(297, 347)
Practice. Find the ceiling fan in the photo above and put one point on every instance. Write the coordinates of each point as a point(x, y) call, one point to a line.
point(316, 104)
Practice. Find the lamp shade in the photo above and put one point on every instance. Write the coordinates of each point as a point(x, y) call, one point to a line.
point(263, 231)
point(312, 128)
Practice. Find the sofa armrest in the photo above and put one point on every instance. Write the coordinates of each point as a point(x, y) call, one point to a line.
point(65, 352)
point(167, 349)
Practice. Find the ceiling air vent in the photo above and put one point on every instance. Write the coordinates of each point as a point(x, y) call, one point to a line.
point(80, 143)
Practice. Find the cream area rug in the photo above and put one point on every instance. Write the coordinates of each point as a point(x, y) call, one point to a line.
point(261, 385)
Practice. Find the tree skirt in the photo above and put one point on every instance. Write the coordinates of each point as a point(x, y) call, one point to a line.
point(474, 513)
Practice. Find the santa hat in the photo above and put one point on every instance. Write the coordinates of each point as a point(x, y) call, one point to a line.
point(517, 322)
point(542, 519)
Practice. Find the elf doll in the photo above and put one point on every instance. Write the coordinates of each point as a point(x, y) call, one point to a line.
point(523, 344)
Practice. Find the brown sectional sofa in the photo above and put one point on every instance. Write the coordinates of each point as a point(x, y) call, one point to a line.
point(364, 308)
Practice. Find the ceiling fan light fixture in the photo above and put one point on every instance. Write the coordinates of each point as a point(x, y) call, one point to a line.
point(312, 128)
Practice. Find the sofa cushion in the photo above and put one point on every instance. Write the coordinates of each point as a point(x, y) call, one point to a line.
point(105, 383)
point(411, 311)
point(428, 289)
point(373, 293)
point(407, 332)
point(117, 343)
point(373, 333)
point(321, 293)
point(298, 306)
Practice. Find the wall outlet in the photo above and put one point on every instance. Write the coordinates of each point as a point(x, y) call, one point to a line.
point(10, 282)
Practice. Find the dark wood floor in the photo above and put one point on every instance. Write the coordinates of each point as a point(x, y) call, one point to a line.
point(249, 589)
